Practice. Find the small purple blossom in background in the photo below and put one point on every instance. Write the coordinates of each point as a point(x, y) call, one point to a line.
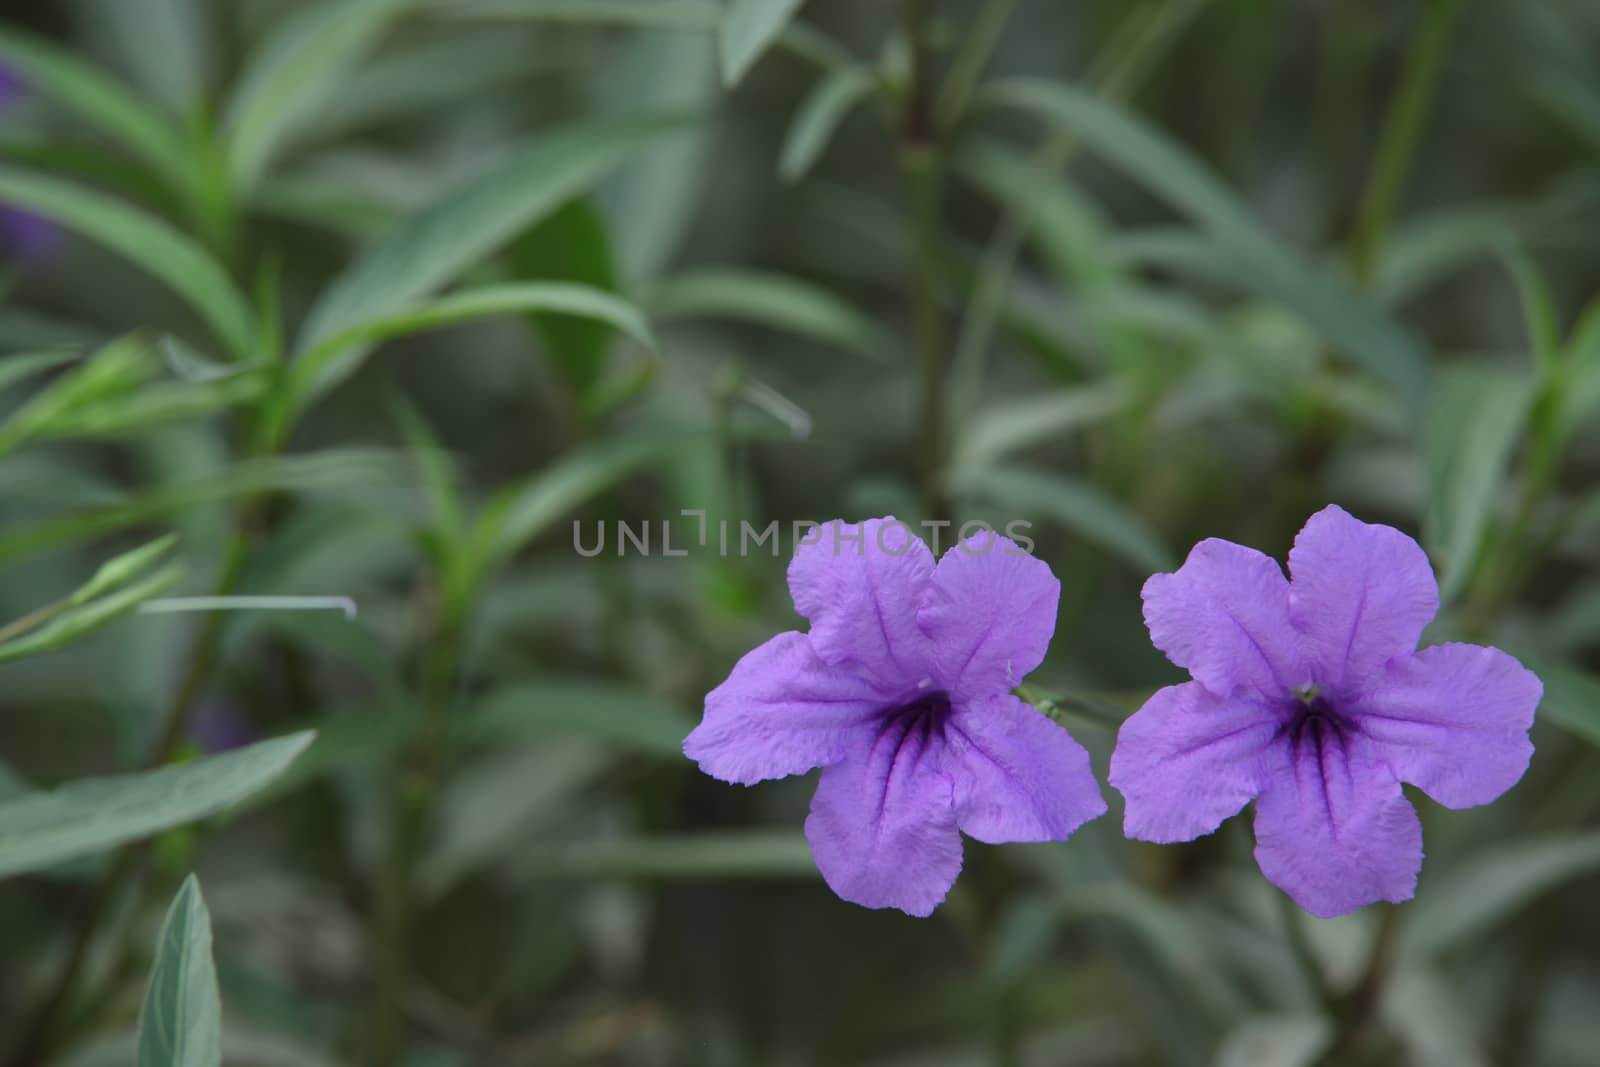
point(1310, 697)
point(24, 236)
point(901, 693)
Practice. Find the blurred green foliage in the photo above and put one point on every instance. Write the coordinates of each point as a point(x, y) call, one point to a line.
point(375, 299)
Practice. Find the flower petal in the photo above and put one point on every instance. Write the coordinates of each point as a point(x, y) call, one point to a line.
point(1453, 720)
point(990, 612)
point(1334, 830)
point(860, 585)
point(883, 827)
point(1189, 759)
point(1017, 775)
point(783, 711)
point(1361, 593)
point(1224, 615)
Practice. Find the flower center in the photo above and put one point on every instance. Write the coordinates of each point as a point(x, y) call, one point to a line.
point(926, 714)
point(1314, 723)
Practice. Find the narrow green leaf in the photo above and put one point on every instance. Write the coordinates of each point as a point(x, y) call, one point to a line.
point(78, 622)
point(122, 569)
point(296, 68)
point(747, 29)
point(1538, 309)
point(24, 365)
point(661, 14)
point(434, 468)
point(432, 247)
point(99, 100)
point(570, 245)
point(150, 243)
point(575, 707)
point(1277, 1041)
point(521, 512)
point(1473, 425)
point(181, 1022)
point(488, 302)
point(820, 114)
point(164, 45)
point(1571, 698)
point(343, 471)
point(773, 300)
point(1015, 425)
point(45, 828)
point(748, 854)
point(1494, 885)
point(1074, 504)
point(1254, 257)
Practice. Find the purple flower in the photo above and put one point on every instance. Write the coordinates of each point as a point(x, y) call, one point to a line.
point(901, 693)
point(1310, 697)
point(24, 236)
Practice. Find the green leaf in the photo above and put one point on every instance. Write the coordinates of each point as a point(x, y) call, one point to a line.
point(24, 365)
point(823, 109)
point(1538, 309)
point(747, 854)
point(747, 29)
point(570, 245)
point(77, 622)
point(551, 297)
point(1571, 698)
point(342, 471)
point(519, 513)
point(1254, 257)
point(662, 14)
point(120, 570)
point(164, 45)
point(150, 243)
point(1494, 885)
point(1014, 425)
point(1074, 504)
point(1277, 1041)
point(181, 1022)
point(42, 829)
point(297, 67)
point(434, 467)
point(432, 247)
point(772, 300)
point(1474, 424)
point(599, 710)
point(101, 101)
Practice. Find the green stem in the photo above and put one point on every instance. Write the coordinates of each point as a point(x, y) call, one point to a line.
point(980, 39)
point(1128, 61)
point(38, 1039)
point(416, 785)
point(1397, 145)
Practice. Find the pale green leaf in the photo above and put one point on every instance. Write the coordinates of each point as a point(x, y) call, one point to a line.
point(564, 298)
point(748, 27)
point(1494, 885)
point(91, 815)
point(745, 854)
point(1474, 423)
point(1252, 256)
point(823, 109)
point(293, 71)
point(1074, 504)
point(430, 248)
point(99, 100)
point(181, 1022)
point(1571, 698)
point(773, 300)
point(150, 243)
point(599, 710)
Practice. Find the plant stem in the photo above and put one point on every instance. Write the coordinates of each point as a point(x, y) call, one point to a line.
point(416, 784)
point(37, 1039)
point(1397, 144)
point(1128, 60)
point(1355, 1008)
point(921, 162)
